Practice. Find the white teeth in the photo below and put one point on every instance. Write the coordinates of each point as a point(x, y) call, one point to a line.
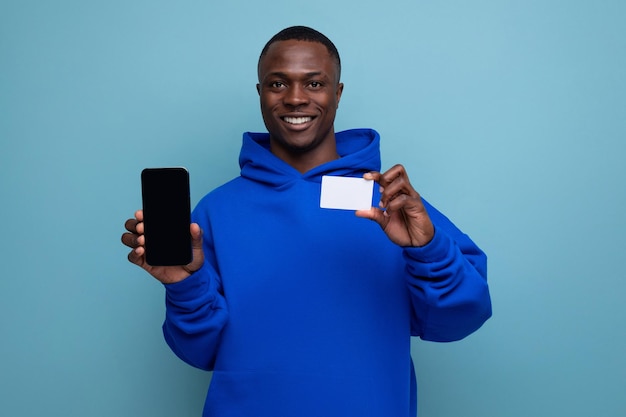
point(297, 120)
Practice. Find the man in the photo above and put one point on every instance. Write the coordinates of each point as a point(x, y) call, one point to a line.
point(304, 311)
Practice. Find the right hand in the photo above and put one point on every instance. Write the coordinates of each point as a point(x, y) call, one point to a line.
point(135, 240)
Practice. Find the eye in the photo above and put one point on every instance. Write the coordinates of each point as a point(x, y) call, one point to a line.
point(315, 84)
point(277, 84)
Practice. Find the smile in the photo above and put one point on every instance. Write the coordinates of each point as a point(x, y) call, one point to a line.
point(297, 120)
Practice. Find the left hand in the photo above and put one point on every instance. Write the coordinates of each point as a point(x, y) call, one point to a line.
point(401, 215)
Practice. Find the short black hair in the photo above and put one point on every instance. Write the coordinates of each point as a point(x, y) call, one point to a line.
point(304, 33)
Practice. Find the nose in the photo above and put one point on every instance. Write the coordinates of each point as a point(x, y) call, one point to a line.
point(296, 96)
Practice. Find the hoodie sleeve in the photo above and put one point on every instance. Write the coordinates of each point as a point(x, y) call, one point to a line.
point(195, 315)
point(196, 311)
point(448, 283)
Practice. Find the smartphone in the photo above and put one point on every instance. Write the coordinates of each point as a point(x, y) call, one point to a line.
point(166, 216)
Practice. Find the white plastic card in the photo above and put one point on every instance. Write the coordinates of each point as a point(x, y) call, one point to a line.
point(346, 193)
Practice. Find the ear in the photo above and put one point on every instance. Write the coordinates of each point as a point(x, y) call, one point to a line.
point(258, 89)
point(339, 92)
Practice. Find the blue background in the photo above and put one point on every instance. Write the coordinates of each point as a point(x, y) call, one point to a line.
point(510, 117)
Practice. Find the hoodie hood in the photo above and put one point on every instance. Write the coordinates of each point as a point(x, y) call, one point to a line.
point(359, 151)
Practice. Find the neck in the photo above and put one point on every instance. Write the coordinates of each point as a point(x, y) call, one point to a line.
point(307, 162)
point(303, 160)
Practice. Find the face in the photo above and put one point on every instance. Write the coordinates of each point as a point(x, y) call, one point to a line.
point(299, 91)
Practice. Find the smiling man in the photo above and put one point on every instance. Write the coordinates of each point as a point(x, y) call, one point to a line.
point(300, 91)
point(300, 310)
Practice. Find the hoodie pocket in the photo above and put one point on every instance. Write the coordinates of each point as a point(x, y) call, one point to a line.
point(269, 394)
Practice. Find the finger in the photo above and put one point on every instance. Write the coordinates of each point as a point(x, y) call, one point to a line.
point(136, 256)
point(391, 174)
point(131, 225)
point(133, 240)
point(397, 184)
point(139, 228)
point(404, 202)
point(401, 189)
point(382, 182)
point(130, 240)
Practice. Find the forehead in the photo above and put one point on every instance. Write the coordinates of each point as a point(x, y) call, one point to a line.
point(294, 56)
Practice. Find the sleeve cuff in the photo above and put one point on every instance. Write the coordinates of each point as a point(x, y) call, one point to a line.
point(435, 250)
point(188, 289)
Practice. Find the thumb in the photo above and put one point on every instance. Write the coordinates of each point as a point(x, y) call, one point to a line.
point(196, 236)
point(196, 247)
point(374, 214)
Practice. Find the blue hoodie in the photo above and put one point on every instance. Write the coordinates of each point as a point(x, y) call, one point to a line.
point(301, 311)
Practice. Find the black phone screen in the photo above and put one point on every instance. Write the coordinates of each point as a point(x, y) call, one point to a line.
point(166, 216)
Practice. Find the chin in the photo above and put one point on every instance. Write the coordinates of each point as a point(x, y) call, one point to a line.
point(299, 148)
point(296, 143)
